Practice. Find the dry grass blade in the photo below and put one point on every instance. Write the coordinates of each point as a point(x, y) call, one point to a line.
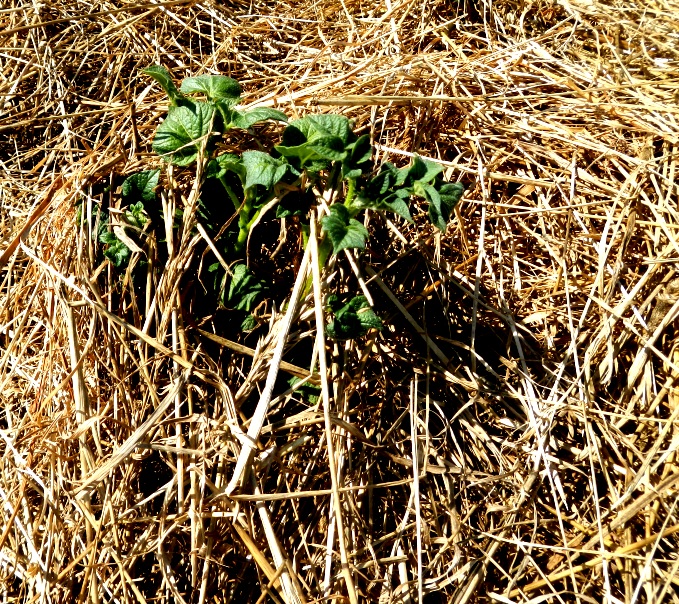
point(257, 420)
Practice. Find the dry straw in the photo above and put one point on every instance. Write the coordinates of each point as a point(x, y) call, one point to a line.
point(510, 436)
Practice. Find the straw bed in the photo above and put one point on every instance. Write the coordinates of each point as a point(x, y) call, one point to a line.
point(509, 436)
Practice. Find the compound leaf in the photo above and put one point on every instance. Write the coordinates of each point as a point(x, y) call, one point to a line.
point(244, 288)
point(351, 320)
point(116, 251)
point(344, 232)
point(214, 87)
point(382, 193)
point(226, 162)
point(178, 138)
point(262, 169)
point(141, 186)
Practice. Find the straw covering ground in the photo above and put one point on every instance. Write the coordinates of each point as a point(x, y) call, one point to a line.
point(510, 435)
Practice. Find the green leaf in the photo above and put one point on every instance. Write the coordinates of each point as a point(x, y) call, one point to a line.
point(163, 77)
point(326, 124)
point(451, 193)
point(254, 116)
point(388, 179)
point(392, 187)
point(178, 138)
point(359, 158)
point(141, 186)
point(423, 170)
point(328, 148)
point(116, 251)
point(351, 320)
point(136, 216)
point(344, 232)
point(226, 162)
point(384, 193)
point(429, 192)
point(310, 392)
point(398, 204)
point(214, 87)
point(244, 288)
point(248, 324)
point(317, 137)
point(262, 169)
point(440, 209)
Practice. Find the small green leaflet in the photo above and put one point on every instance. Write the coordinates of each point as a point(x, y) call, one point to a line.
point(317, 137)
point(248, 324)
point(214, 87)
point(442, 202)
point(432, 196)
point(179, 136)
point(262, 169)
point(358, 159)
point(136, 216)
point(247, 119)
point(308, 391)
point(116, 251)
point(423, 170)
point(344, 232)
point(118, 242)
point(163, 77)
point(352, 319)
point(226, 162)
point(244, 288)
point(141, 186)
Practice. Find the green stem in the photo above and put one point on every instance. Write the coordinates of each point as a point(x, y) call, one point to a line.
point(351, 192)
point(231, 194)
point(244, 223)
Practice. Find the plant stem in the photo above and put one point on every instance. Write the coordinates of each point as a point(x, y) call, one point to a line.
point(231, 194)
point(244, 223)
point(351, 192)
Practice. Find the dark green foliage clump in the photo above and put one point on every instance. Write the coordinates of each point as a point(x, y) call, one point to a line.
point(317, 153)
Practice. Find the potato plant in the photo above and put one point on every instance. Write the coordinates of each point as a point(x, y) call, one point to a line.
point(316, 154)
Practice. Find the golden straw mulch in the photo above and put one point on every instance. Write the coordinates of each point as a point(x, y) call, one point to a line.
point(511, 434)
